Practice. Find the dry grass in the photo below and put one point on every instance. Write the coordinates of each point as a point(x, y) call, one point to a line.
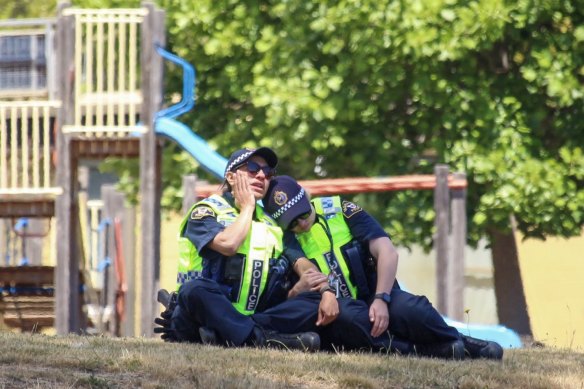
point(40, 361)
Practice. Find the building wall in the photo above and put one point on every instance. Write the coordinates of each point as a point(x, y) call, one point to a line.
point(417, 274)
point(553, 277)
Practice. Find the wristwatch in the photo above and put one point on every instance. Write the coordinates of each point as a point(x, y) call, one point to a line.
point(383, 296)
point(328, 288)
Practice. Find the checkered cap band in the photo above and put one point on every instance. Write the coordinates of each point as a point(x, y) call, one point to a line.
point(276, 215)
point(239, 160)
point(182, 278)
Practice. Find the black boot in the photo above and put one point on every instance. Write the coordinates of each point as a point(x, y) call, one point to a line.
point(447, 350)
point(208, 335)
point(401, 347)
point(257, 338)
point(478, 348)
point(305, 341)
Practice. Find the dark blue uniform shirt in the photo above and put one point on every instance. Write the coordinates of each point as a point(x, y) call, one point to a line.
point(363, 227)
point(201, 229)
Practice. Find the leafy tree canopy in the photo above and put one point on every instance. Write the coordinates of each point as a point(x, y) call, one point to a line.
point(352, 88)
point(347, 88)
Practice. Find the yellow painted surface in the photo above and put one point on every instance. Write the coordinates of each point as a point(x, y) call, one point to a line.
point(553, 279)
point(169, 251)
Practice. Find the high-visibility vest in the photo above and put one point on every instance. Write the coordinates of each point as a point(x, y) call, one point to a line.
point(263, 242)
point(323, 243)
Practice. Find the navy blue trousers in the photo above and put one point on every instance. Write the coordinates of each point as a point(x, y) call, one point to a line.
point(414, 319)
point(201, 302)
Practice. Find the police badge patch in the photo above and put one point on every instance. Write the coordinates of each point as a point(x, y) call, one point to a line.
point(201, 212)
point(349, 209)
point(280, 197)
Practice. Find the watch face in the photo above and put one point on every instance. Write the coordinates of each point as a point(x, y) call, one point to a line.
point(383, 296)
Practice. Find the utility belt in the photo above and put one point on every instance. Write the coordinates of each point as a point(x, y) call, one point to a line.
point(277, 285)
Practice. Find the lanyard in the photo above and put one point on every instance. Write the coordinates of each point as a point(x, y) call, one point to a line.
point(333, 278)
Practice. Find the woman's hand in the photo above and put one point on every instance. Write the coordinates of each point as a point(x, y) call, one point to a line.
point(379, 316)
point(241, 189)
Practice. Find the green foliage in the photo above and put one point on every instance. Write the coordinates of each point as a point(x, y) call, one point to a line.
point(176, 165)
point(353, 88)
point(345, 88)
point(106, 3)
point(20, 9)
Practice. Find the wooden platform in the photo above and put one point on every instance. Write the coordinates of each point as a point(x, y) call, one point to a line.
point(16, 205)
point(83, 147)
point(27, 297)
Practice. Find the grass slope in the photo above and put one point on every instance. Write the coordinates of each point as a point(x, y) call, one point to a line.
point(40, 361)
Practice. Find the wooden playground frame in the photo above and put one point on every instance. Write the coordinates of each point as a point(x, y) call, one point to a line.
point(109, 89)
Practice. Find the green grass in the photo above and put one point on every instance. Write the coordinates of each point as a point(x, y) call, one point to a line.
point(40, 361)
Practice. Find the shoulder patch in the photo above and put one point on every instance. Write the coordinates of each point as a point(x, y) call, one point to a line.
point(202, 211)
point(328, 206)
point(214, 201)
point(350, 209)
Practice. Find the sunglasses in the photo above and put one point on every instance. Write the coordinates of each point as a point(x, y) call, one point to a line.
point(294, 222)
point(254, 168)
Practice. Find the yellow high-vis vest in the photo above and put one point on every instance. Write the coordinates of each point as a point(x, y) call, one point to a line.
point(263, 242)
point(323, 243)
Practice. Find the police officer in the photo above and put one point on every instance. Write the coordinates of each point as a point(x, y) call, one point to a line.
point(208, 275)
point(356, 254)
point(228, 251)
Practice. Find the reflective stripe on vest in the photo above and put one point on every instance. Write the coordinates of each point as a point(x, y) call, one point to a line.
point(263, 242)
point(317, 245)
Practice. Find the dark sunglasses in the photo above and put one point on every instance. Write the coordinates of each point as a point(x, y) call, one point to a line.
point(254, 167)
point(294, 222)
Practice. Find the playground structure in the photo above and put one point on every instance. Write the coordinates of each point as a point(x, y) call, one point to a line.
point(108, 103)
point(108, 90)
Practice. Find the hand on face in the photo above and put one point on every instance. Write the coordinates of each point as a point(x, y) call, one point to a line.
point(245, 183)
point(242, 191)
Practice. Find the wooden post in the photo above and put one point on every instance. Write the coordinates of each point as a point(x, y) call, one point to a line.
point(67, 300)
point(113, 208)
point(441, 207)
point(150, 158)
point(455, 280)
point(129, 234)
point(189, 184)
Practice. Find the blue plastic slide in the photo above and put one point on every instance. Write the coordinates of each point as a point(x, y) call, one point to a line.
point(196, 146)
point(506, 337)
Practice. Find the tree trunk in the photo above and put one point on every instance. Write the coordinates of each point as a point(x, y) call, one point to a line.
point(511, 303)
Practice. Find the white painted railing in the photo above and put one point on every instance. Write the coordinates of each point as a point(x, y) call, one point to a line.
point(26, 147)
point(107, 72)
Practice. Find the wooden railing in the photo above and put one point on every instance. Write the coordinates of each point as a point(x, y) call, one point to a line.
point(107, 79)
point(26, 146)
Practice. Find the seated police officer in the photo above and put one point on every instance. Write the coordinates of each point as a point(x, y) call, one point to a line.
point(316, 310)
point(352, 249)
point(228, 250)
